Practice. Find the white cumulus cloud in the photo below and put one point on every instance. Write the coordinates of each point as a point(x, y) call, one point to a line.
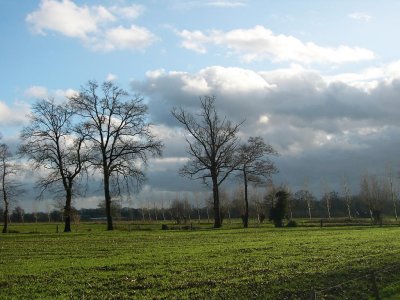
point(67, 18)
point(98, 27)
point(260, 43)
point(14, 114)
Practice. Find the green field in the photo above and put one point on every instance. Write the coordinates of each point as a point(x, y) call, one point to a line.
point(143, 261)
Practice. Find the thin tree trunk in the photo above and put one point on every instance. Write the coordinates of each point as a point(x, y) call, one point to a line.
point(5, 199)
point(290, 211)
point(246, 202)
point(309, 209)
point(107, 197)
point(67, 211)
point(348, 209)
point(217, 211)
point(393, 199)
point(328, 206)
point(5, 214)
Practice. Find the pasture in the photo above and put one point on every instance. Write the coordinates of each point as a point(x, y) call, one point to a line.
point(143, 261)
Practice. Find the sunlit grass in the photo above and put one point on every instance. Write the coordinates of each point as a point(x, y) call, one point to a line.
point(143, 261)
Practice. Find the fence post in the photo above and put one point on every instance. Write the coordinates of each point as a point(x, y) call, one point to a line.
point(375, 287)
point(313, 295)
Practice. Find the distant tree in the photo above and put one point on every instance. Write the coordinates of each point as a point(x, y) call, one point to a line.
point(211, 149)
point(278, 211)
point(116, 208)
point(326, 198)
point(117, 129)
point(254, 166)
point(374, 193)
point(393, 197)
point(307, 197)
point(289, 201)
point(18, 214)
point(177, 210)
point(347, 196)
point(9, 188)
point(52, 145)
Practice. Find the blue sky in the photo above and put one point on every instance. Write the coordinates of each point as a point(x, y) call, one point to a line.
point(319, 80)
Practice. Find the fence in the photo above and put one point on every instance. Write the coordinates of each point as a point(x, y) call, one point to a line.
point(378, 284)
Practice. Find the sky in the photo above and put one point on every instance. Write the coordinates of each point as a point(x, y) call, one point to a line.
point(318, 80)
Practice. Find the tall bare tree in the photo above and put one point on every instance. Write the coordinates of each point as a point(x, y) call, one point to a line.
point(346, 194)
point(212, 148)
point(8, 186)
point(117, 129)
point(254, 166)
point(52, 145)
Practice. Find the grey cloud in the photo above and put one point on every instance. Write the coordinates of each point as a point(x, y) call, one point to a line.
point(321, 128)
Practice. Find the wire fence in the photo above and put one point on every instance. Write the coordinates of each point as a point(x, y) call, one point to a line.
point(377, 284)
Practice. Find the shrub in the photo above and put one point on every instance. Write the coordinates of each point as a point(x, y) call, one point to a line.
point(291, 223)
point(277, 213)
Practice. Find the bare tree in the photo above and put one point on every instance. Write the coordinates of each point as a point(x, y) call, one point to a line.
point(53, 146)
point(120, 136)
point(306, 196)
point(254, 166)
point(196, 197)
point(347, 196)
point(374, 193)
point(8, 186)
point(212, 148)
point(393, 197)
point(326, 197)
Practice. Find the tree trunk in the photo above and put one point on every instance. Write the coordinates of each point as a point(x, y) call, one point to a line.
point(217, 211)
point(5, 199)
point(5, 216)
point(67, 211)
point(246, 202)
point(107, 197)
point(348, 209)
point(328, 206)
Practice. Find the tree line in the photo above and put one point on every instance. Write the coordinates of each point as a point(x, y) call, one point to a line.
point(104, 132)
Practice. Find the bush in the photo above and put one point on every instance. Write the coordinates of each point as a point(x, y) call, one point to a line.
point(277, 213)
point(291, 223)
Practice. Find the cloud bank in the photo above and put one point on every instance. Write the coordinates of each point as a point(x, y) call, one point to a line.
point(323, 126)
point(260, 43)
point(97, 27)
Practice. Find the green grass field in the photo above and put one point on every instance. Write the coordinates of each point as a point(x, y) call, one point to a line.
point(230, 263)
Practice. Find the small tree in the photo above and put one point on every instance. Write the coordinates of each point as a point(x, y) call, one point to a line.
point(254, 166)
point(116, 127)
point(392, 192)
point(347, 196)
point(177, 210)
point(307, 197)
point(9, 187)
point(18, 214)
point(278, 211)
point(211, 149)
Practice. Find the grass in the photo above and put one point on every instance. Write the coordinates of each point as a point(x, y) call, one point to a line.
point(233, 263)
